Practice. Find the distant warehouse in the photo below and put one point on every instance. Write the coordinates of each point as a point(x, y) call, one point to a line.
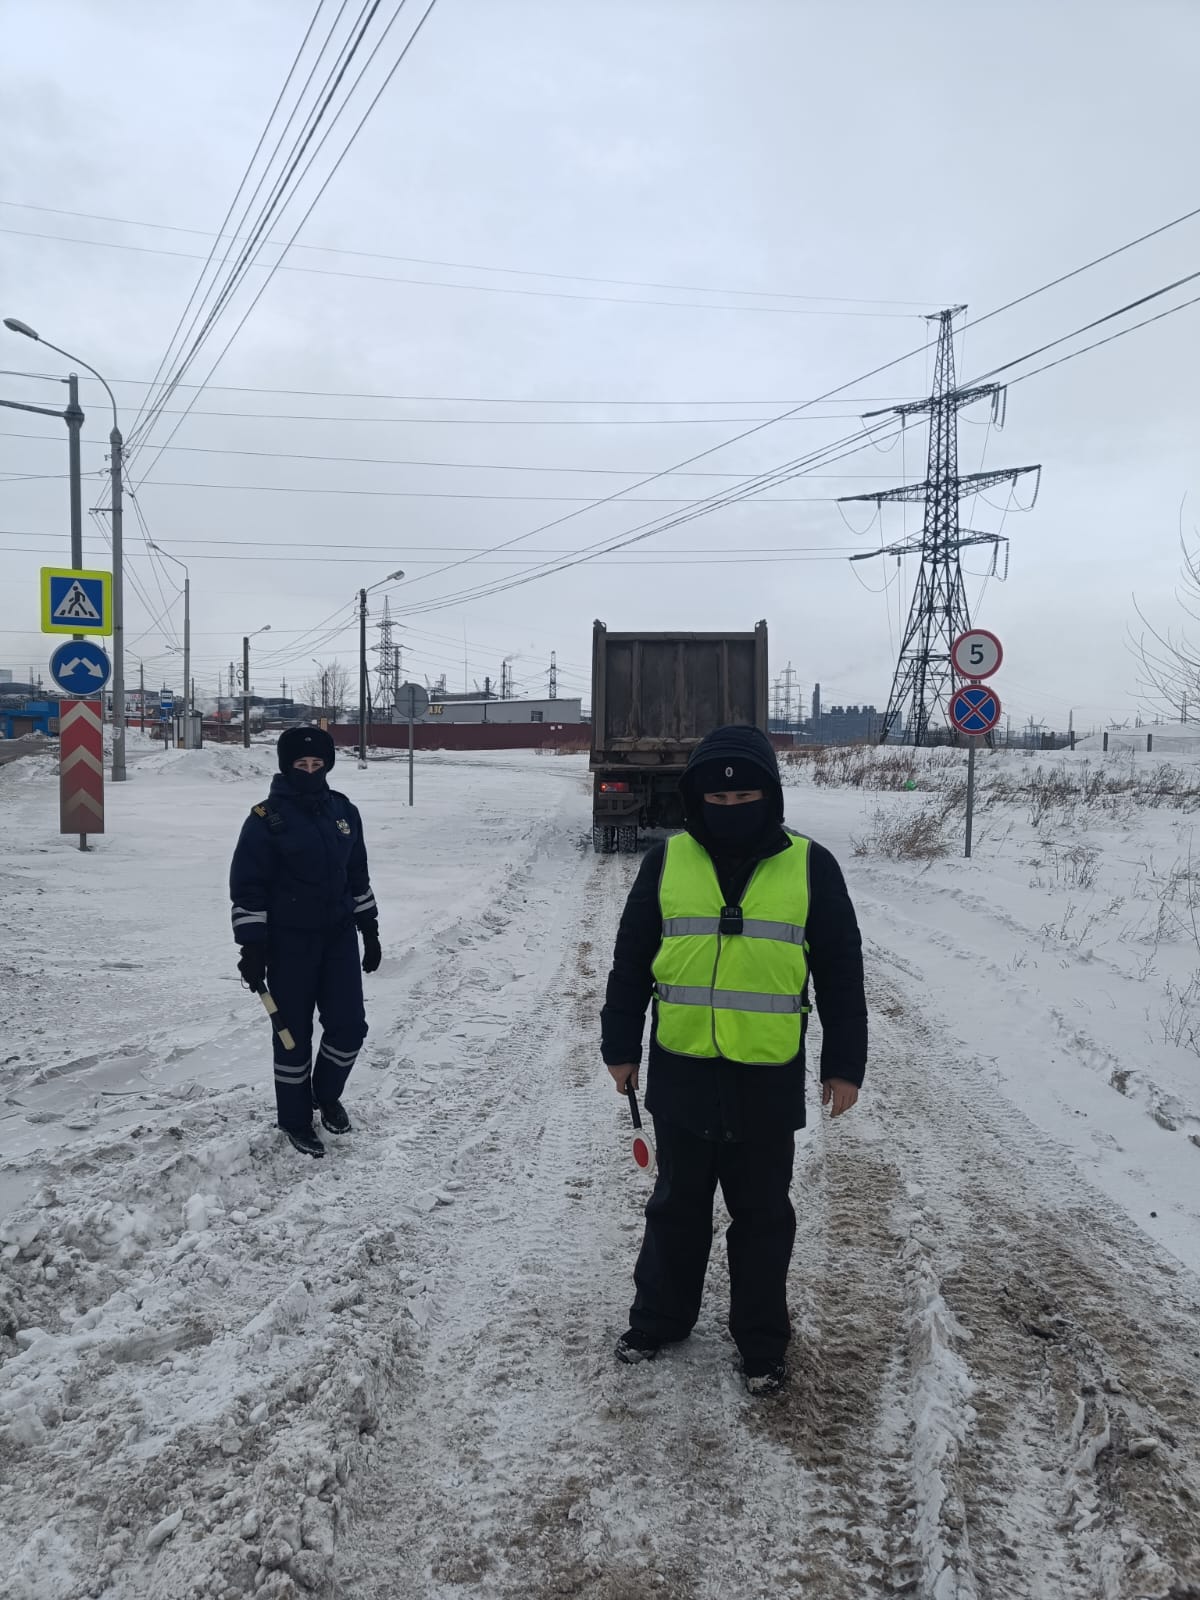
point(488, 710)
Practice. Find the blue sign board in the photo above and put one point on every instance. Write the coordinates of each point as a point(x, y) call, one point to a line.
point(81, 668)
point(166, 706)
point(975, 709)
point(74, 601)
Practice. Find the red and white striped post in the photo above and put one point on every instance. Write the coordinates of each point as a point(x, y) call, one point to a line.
point(81, 769)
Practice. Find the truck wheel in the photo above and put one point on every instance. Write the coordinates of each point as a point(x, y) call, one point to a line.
point(597, 838)
point(627, 840)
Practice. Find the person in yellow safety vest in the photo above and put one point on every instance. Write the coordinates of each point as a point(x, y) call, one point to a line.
point(723, 928)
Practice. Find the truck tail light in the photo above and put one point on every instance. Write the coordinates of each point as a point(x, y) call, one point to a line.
point(614, 788)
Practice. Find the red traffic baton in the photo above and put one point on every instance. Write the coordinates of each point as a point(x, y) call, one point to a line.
point(642, 1147)
point(272, 1010)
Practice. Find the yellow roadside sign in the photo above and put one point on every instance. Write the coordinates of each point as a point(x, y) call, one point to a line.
point(76, 602)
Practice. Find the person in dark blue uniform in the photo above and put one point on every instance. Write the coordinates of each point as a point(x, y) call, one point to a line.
point(301, 896)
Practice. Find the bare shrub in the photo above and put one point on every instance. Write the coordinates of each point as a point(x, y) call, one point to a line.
point(918, 836)
point(1181, 1019)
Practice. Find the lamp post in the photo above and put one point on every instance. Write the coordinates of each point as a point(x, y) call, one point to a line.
point(246, 638)
point(392, 577)
point(187, 642)
point(116, 448)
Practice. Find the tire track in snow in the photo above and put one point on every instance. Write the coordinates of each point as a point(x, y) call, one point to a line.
point(256, 1414)
point(523, 1460)
point(1077, 1476)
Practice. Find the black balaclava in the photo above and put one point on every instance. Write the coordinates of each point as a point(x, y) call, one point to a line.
point(734, 831)
point(296, 743)
point(737, 829)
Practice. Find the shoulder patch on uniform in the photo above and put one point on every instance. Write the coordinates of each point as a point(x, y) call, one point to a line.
point(260, 811)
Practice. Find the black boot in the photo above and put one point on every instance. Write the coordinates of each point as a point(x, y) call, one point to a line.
point(305, 1140)
point(334, 1118)
point(634, 1346)
point(764, 1378)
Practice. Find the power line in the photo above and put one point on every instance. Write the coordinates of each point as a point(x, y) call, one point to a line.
point(440, 494)
point(394, 461)
point(650, 559)
point(163, 363)
point(722, 498)
point(469, 266)
point(1087, 266)
point(283, 189)
point(1099, 322)
point(451, 399)
point(505, 422)
point(1095, 345)
point(399, 551)
point(472, 288)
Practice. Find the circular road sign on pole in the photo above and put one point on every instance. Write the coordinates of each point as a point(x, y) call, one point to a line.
point(975, 709)
point(976, 654)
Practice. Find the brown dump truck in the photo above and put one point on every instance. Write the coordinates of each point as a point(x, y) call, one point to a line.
point(654, 697)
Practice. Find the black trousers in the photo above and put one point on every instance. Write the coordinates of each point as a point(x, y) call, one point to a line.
point(755, 1177)
point(309, 972)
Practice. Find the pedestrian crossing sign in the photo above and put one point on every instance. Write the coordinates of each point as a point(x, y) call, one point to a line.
point(76, 602)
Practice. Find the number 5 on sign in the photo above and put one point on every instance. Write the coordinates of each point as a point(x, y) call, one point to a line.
point(976, 654)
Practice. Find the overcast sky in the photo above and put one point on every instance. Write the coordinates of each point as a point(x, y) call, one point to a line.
point(931, 153)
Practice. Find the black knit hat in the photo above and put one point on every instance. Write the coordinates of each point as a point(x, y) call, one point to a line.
point(296, 743)
point(728, 772)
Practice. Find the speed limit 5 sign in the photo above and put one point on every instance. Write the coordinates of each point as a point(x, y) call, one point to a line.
point(976, 654)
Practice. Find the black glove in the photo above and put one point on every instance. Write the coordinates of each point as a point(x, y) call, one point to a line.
point(253, 965)
point(372, 951)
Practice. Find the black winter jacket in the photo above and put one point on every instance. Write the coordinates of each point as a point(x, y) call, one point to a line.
point(300, 865)
point(718, 1099)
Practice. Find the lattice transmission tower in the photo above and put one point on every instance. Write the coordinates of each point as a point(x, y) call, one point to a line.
point(387, 674)
point(922, 685)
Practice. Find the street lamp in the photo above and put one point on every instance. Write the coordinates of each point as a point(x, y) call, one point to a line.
point(187, 642)
point(392, 577)
point(246, 638)
point(116, 448)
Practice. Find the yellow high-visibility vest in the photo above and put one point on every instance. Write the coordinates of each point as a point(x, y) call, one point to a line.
point(730, 981)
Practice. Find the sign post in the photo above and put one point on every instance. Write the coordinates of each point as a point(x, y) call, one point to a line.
point(413, 702)
point(79, 602)
point(81, 770)
point(974, 708)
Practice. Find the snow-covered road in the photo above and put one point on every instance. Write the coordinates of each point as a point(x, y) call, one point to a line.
point(229, 1372)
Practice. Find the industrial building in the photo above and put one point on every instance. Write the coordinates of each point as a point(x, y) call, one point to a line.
point(507, 711)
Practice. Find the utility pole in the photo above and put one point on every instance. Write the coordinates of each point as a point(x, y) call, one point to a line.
point(362, 677)
point(554, 675)
point(187, 661)
point(923, 681)
point(141, 696)
point(246, 691)
point(117, 449)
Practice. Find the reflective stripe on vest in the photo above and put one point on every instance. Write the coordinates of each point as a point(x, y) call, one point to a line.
point(740, 995)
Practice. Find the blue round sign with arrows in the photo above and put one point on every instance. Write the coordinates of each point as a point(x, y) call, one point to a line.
point(80, 667)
